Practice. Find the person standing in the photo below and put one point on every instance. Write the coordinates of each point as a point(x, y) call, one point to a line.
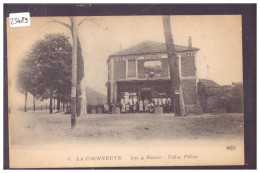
point(152, 107)
point(141, 106)
point(130, 105)
point(127, 107)
point(106, 108)
point(134, 107)
point(146, 105)
point(123, 107)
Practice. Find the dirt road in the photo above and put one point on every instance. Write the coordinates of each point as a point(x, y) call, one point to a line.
point(40, 127)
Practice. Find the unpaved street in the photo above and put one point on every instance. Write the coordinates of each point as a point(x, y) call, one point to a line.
point(40, 127)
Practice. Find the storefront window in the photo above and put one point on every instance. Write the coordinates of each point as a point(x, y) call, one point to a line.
point(141, 96)
point(128, 98)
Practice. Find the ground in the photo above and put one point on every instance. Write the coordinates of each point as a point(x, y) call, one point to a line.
point(40, 127)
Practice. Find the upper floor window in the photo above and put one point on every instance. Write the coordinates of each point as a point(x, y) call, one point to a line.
point(131, 68)
point(153, 69)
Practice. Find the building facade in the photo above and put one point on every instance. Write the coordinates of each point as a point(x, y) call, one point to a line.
point(142, 72)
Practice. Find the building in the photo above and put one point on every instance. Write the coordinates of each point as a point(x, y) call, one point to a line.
point(208, 90)
point(95, 98)
point(214, 96)
point(142, 71)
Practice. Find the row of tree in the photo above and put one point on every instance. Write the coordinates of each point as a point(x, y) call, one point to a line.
point(55, 69)
point(46, 71)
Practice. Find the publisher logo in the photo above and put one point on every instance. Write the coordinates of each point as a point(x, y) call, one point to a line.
point(230, 147)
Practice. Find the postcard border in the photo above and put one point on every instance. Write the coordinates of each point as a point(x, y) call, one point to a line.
point(248, 12)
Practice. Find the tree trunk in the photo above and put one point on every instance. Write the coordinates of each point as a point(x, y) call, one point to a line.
point(54, 104)
point(83, 100)
point(51, 96)
point(80, 78)
point(33, 103)
point(173, 65)
point(74, 71)
point(80, 63)
point(25, 102)
point(58, 103)
point(77, 102)
point(63, 106)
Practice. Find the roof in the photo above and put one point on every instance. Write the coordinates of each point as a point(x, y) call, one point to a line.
point(89, 90)
point(209, 87)
point(147, 47)
point(237, 83)
point(95, 98)
point(208, 83)
point(92, 91)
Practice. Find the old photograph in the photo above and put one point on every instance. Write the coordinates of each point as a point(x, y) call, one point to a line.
point(125, 91)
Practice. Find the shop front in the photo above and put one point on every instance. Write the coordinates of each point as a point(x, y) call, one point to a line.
point(144, 96)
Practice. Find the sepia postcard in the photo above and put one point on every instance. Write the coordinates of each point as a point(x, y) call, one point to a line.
point(125, 91)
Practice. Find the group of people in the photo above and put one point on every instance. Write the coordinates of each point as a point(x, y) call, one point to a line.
point(141, 105)
point(144, 105)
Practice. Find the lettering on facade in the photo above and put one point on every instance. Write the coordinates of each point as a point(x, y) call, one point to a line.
point(139, 57)
point(161, 94)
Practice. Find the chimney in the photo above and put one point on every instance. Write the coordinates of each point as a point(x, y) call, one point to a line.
point(190, 42)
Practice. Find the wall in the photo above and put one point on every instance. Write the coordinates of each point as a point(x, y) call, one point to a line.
point(188, 66)
point(189, 91)
point(95, 98)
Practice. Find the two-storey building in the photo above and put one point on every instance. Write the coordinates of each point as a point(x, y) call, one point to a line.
point(142, 72)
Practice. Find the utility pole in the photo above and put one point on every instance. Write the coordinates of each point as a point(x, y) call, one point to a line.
point(25, 102)
point(74, 71)
point(173, 65)
point(33, 103)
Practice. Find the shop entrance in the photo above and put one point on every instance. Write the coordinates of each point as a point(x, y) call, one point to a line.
point(146, 93)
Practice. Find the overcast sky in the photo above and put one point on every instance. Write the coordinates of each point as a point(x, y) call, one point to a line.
point(219, 38)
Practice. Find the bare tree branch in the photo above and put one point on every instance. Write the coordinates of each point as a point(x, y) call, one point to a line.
point(82, 21)
point(91, 19)
point(57, 21)
point(71, 20)
point(97, 24)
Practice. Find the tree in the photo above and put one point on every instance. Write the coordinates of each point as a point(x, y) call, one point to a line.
point(237, 104)
point(27, 80)
point(51, 62)
point(173, 66)
point(74, 71)
point(24, 77)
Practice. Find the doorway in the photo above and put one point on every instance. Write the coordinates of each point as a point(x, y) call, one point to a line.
point(146, 93)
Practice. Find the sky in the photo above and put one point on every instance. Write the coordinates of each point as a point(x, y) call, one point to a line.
point(219, 38)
